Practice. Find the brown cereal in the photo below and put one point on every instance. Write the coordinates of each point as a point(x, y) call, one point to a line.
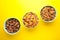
point(12, 25)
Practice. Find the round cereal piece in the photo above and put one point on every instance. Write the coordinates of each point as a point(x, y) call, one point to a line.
point(12, 26)
point(30, 20)
point(48, 13)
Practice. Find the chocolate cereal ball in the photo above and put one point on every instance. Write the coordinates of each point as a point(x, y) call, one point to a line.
point(48, 13)
point(12, 25)
point(30, 20)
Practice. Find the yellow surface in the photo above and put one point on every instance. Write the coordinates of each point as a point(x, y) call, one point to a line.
point(18, 8)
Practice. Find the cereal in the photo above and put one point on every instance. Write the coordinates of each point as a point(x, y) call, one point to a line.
point(48, 13)
point(12, 25)
point(30, 20)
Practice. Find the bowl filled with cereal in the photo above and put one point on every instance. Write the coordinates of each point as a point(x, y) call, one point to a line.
point(48, 13)
point(12, 26)
point(30, 20)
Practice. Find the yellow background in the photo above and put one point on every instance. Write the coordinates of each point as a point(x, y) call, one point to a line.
point(18, 8)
